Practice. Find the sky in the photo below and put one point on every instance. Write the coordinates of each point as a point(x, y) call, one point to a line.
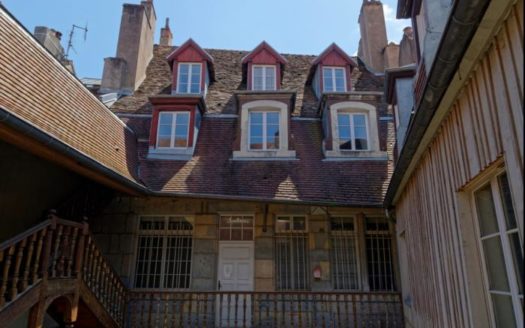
point(289, 26)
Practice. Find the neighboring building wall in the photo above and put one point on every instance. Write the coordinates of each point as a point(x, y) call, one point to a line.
point(405, 105)
point(116, 234)
point(442, 284)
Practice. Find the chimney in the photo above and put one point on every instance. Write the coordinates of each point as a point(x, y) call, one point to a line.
point(373, 35)
point(391, 55)
point(50, 39)
point(407, 48)
point(166, 37)
point(124, 73)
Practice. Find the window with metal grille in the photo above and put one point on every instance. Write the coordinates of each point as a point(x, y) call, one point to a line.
point(344, 253)
point(164, 251)
point(379, 254)
point(291, 253)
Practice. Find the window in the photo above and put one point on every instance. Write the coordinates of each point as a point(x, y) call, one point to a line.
point(236, 227)
point(164, 251)
point(378, 244)
point(344, 254)
point(291, 255)
point(263, 77)
point(353, 131)
point(501, 251)
point(173, 130)
point(189, 78)
point(264, 130)
point(334, 79)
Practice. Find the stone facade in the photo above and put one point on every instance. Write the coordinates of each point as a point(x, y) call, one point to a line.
point(116, 234)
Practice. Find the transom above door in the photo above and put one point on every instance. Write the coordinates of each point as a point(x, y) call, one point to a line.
point(236, 227)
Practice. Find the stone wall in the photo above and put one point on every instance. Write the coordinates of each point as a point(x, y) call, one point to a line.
point(116, 230)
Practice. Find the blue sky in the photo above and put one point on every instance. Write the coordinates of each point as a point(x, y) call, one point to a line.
point(290, 26)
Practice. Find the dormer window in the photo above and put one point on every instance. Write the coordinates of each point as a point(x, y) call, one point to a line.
point(264, 130)
point(353, 131)
point(173, 130)
point(189, 78)
point(263, 77)
point(334, 79)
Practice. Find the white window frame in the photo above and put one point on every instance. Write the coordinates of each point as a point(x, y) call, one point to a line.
point(173, 127)
point(332, 73)
point(264, 87)
point(351, 115)
point(264, 125)
point(505, 245)
point(245, 153)
point(288, 236)
point(166, 233)
point(334, 257)
point(188, 88)
point(373, 152)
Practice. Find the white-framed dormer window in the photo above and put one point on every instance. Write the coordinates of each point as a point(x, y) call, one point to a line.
point(334, 79)
point(264, 130)
point(173, 130)
point(353, 131)
point(263, 77)
point(189, 78)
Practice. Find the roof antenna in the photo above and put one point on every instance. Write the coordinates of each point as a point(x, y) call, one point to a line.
point(70, 41)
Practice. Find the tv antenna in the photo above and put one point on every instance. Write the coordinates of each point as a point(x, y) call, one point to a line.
point(70, 41)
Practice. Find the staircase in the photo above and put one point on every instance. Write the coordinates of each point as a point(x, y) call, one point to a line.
point(58, 260)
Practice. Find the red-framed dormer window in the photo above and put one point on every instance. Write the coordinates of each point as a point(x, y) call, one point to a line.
point(264, 68)
point(192, 69)
point(173, 129)
point(331, 71)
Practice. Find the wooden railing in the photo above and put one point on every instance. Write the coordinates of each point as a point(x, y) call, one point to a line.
point(264, 309)
point(59, 249)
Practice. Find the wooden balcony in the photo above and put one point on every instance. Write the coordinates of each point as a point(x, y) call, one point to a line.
point(58, 261)
point(264, 309)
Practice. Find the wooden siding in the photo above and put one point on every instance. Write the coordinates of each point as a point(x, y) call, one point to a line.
point(484, 124)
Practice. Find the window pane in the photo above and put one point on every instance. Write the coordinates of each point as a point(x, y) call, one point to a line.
point(328, 84)
point(272, 137)
point(165, 118)
point(181, 141)
point(343, 254)
point(299, 223)
point(503, 311)
point(256, 130)
point(507, 202)
point(256, 143)
point(359, 120)
point(272, 118)
point(282, 224)
point(164, 141)
point(339, 80)
point(196, 71)
point(361, 144)
point(291, 261)
point(165, 130)
point(343, 119)
point(517, 258)
point(183, 118)
point(495, 264)
point(379, 255)
point(270, 78)
point(486, 212)
point(256, 117)
point(257, 78)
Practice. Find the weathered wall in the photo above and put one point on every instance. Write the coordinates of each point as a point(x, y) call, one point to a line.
point(440, 262)
point(28, 187)
point(116, 230)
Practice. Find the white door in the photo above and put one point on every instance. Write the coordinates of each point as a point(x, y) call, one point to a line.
point(235, 273)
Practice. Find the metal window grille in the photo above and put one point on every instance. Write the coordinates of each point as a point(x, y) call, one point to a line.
point(344, 254)
point(291, 254)
point(164, 252)
point(379, 254)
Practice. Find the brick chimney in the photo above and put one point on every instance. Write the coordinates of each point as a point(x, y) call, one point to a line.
point(125, 72)
point(166, 37)
point(373, 35)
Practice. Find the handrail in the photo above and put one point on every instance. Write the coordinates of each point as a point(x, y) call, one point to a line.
point(5, 244)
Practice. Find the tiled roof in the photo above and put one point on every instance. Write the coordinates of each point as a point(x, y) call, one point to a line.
point(310, 178)
point(212, 172)
point(229, 78)
point(35, 88)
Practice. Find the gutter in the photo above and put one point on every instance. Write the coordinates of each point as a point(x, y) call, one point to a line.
point(461, 26)
point(12, 121)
